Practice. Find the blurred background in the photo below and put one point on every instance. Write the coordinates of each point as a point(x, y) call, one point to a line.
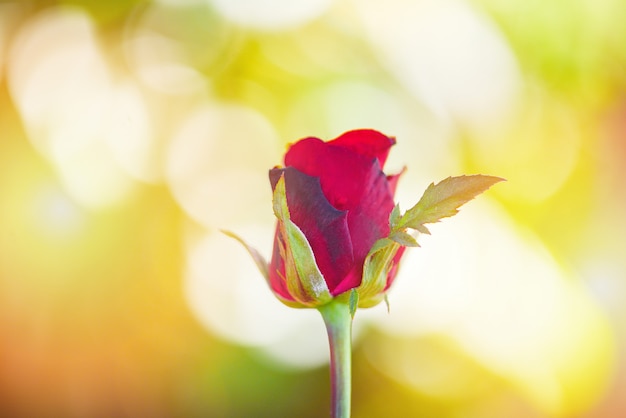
point(132, 131)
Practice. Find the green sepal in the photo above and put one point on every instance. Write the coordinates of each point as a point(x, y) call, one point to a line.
point(259, 260)
point(304, 280)
point(376, 269)
point(353, 302)
point(263, 267)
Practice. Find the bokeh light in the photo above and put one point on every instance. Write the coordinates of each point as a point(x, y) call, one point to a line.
point(263, 14)
point(133, 132)
point(448, 55)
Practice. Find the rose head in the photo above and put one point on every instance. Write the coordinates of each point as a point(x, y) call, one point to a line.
point(333, 203)
point(338, 231)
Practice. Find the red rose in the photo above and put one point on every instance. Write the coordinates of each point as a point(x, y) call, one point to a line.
point(340, 199)
point(339, 236)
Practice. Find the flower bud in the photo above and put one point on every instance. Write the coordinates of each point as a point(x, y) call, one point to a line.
point(332, 202)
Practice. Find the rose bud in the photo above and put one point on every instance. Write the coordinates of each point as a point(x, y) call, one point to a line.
point(333, 203)
point(338, 232)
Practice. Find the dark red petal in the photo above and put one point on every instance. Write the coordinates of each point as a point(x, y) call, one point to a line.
point(277, 269)
point(368, 222)
point(352, 280)
point(366, 142)
point(325, 227)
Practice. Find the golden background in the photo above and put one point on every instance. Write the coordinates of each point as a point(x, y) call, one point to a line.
point(132, 131)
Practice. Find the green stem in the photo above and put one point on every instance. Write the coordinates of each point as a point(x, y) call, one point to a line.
point(338, 322)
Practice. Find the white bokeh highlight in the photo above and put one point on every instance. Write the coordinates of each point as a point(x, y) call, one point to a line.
point(161, 65)
point(447, 54)
point(271, 14)
point(218, 162)
point(93, 127)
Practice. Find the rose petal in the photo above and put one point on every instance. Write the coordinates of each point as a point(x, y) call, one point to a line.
point(368, 222)
point(277, 269)
point(325, 227)
point(393, 181)
point(341, 168)
point(366, 142)
point(351, 178)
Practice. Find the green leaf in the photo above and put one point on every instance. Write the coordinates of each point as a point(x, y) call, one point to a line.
point(304, 280)
point(443, 199)
point(260, 261)
point(394, 216)
point(403, 238)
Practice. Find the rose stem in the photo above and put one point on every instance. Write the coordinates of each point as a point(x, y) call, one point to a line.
point(338, 322)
